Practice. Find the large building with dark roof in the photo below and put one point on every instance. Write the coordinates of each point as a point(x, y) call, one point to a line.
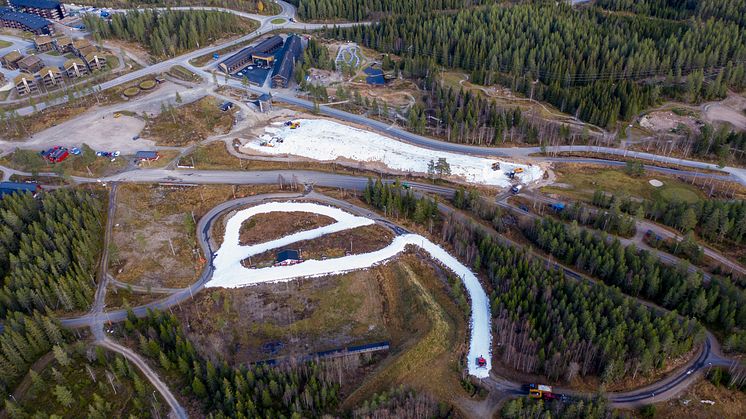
point(285, 64)
point(48, 9)
point(242, 58)
point(26, 22)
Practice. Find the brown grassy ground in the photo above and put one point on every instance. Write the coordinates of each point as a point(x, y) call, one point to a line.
point(123, 298)
point(147, 216)
point(189, 123)
point(364, 239)
point(728, 403)
point(274, 225)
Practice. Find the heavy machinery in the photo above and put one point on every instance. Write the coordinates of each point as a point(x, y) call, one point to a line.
point(518, 170)
point(481, 362)
point(292, 124)
point(540, 391)
point(496, 165)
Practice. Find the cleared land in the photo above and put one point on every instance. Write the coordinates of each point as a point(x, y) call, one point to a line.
point(580, 182)
point(86, 164)
point(189, 123)
point(274, 225)
point(153, 242)
point(727, 403)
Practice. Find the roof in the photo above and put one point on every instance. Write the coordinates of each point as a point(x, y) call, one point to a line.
point(30, 21)
point(13, 56)
point(287, 254)
point(92, 56)
point(69, 63)
point(291, 51)
point(30, 60)
point(237, 57)
point(263, 47)
point(13, 187)
point(371, 71)
point(63, 40)
point(377, 80)
point(19, 78)
point(4, 10)
point(40, 4)
point(226, 105)
point(81, 43)
point(49, 69)
point(42, 39)
point(264, 97)
point(146, 155)
point(269, 44)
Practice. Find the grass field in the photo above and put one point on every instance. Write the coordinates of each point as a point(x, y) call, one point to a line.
point(274, 225)
point(86, 164)
point(4, 44)
point(580, 182)
point(278, 21)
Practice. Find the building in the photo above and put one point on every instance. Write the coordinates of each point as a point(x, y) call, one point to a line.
point(147, 156)
point(226, 106)
point(25, 84)
point(264, 102)
point(74, 68)
point(30, 64)
point(285, 65)
point(63, 44)
point(26, 22)
point(11, 59)
point(50, 76)
point(263, 59)
point(95, 61)
point(2, 79)
point(374, 76)
point(79, 44)
point(8, 188)
point(43, 43)
point(244, 57)
point(87, 50)
point(48, 9)
point(287, 257)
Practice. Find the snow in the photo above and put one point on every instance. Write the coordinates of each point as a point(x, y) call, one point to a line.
point(324, 140)
point(229, 273)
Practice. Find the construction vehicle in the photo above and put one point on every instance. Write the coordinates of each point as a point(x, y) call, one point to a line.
point(510, 174)
point(266, 144)
point(117, 115)
point(518, 170)
point(481, 362)
point(540, 391)
point(496, 165)
point(295, 125)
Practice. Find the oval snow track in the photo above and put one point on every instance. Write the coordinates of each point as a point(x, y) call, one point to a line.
point(229, 273)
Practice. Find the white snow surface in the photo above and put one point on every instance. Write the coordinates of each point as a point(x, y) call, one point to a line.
point(325, 140)
point(229, 273)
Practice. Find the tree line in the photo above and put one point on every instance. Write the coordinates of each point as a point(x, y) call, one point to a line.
point(372, 9)
point(716, 221)
point(550, 324)
point(525, 408)
point(166, 33)
point(401, 402)
point(248, 391)
point(640, 273)
point(535, 49)
point(721, 145)
point(731, 10)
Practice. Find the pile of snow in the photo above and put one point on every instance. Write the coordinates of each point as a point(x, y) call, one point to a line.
point(229, 273)
point(325, 140)
point(656, 183)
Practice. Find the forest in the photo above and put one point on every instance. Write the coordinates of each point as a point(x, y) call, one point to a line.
point(260, 390)
point(533, 49)
point(372, 9)
point(720, 145)
point(640, 273)
point(550, 324)
point(167, 33)
point(732, 10)
point(398, 202)
point(716, 221)
point(524, 408)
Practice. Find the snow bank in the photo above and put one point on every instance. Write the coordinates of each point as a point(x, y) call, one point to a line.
point(325, 140)
point(229, 272)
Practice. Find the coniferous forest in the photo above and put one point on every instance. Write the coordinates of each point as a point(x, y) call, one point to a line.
point(583, 61)
point(167, 33)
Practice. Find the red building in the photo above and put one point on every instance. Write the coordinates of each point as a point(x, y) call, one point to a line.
point(55, 154)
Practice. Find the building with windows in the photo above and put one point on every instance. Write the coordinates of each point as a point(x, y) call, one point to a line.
point(95, 61)
point(48, 9)
point(25, 84)
point(11, 59)
point(245, 57)
point(75, 67)
point(30, 64)
point(43, 43)
point(50, 76)
point(25, 22)
point(63, 44)
point(285, 64)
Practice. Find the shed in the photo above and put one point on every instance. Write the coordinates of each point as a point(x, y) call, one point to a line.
point(264, 102)
point(288, 255)
point(147, 155)
point(226, 106)
point(7, 188)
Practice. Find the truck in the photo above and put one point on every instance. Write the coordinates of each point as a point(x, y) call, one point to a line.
point(515, 189)
point(540, 391)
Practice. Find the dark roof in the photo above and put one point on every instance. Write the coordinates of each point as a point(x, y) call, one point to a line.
point(226, 105)
point(373, 71)
point(4, 10)
point(376, 80)
point(287, 254)
point(228, 62)
point(264, 97)
point(269, 45)
point(146, 154)
point(291, 51)
point(30, 21)
point(13, 187)
point(39, 4)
